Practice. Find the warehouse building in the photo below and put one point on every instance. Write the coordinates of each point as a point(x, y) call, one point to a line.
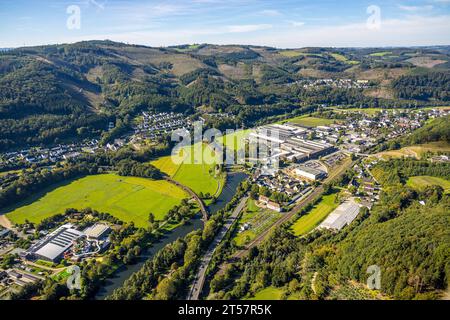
point(342, 216)
point(289, 142)
point(309, 173)
point(53, 246)
point(98, 231)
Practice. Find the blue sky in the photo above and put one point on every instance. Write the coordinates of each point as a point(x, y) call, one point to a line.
point(279, 23)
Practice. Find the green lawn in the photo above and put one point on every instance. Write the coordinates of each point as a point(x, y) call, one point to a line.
point(420, 182)
point(310, 121)
point(127, 198)
point(309, 221)
point(196, 169)
point(269, 293)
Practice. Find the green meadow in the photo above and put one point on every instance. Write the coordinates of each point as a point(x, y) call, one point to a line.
point(308, 121)
point(127, 198)
point(312, 219)
point(420, 182)
point(269, 293)
point(195, 168)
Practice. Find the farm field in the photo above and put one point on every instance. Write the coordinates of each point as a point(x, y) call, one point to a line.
point(380, 54)
point(127, 198)
point(310, 121)
point(416, 151)
point(342, 58)
point(191, 172)
point(269, 293)
point(309, 221)
point(420, 182)
point(296, 53)
point(259, 220)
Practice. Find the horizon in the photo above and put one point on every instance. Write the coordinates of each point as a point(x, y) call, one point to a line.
point(282, 24)
point(224, 45)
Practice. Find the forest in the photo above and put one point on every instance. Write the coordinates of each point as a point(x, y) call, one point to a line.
point(407, 240)
point(50, 94)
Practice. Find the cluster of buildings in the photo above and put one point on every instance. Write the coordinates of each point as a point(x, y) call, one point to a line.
point(49, 155)
point(334, 83)
point(17, 277)
point(288, 142)
point(157, 124)
point(69, 243)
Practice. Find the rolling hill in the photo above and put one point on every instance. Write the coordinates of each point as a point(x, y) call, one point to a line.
point(70, 91)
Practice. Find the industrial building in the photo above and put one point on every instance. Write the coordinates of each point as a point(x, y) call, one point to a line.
point(53, 246)
point(341, 216)
point(309, 173)
point(289, 142)
point(98, 231)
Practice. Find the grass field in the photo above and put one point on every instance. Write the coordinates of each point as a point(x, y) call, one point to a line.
point(420, 182)
point(309, 221)
point(270, 293)
point(192, 172)
point(310, 121)
point(295, 53)
point(234, 141)
point(380, 54)
point(416, 151)
point(127, 198)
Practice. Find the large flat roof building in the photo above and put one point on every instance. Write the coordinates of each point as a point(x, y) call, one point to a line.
point(310, 173)
point(290, 143)
point(97, 231)
point(341, 216)
point(53, 246)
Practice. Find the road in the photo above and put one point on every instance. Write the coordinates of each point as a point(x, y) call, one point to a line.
point(193, 195)
point(298, 207)
point(199, 281)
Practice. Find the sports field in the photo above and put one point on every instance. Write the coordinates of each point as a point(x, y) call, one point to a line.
point(309, 221)
point(420, 182)
point(127, 198)
point(194, 171)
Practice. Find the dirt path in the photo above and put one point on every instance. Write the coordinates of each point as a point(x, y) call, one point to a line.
point(4, 222)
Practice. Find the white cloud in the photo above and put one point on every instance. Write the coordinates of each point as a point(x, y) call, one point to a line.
point(296, 24)
point(415, 8)
point(248, 28)
point(270, 13)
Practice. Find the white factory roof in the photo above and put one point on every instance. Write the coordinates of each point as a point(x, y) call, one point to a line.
point(342, 216)
point(96, 231)
point(58, 242)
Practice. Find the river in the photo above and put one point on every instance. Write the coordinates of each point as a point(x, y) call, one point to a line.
point(123, 273)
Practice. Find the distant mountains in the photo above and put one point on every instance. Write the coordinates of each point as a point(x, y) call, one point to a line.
point(49, 93)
